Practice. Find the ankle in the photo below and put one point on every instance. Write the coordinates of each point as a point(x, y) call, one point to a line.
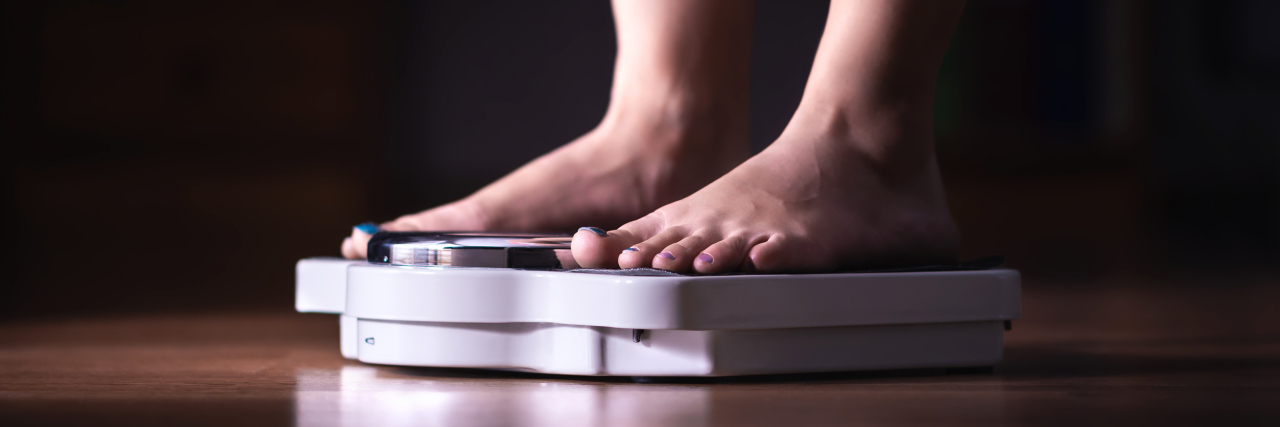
point(677, 122)
point(892, 140)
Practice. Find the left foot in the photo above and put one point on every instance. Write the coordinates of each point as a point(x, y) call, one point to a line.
point(812, 202)
point(852, 182)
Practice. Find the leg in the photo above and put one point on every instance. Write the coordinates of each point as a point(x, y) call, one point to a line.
point(677, 120)
point(853, 180)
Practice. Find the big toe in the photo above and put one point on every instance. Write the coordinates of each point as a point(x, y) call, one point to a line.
point(355, 247)
point(595, 248)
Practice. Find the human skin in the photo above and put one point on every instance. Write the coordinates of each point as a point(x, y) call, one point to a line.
point(852, 182)
point(677, 120)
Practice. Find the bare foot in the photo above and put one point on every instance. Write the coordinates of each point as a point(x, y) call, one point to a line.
point(809, 203)
point(615, 173)
point(852, 182)
point(677, 120)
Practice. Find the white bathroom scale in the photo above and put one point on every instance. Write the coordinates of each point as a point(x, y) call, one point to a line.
point(422, 301)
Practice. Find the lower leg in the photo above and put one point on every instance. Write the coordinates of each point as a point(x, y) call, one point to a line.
point(874, 76)
point(852, 182)
point(677, 119)
point(682, 60)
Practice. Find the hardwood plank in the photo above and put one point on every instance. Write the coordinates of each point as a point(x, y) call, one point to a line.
point(1113, 352)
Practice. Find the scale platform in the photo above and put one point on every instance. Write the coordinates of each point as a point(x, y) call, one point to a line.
point(612, 324)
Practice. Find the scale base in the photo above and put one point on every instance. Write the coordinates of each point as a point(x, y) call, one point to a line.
point(600, 351)
point(566, 323)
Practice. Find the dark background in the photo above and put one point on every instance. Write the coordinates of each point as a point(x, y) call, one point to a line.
point(180, 156)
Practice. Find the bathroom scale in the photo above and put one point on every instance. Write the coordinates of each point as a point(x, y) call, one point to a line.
point(518, 302)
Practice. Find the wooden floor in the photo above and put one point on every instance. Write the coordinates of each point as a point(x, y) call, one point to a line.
point(1107, 352)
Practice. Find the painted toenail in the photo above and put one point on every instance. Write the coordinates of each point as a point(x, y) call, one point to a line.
point(367, 228)
point(705, 258)
point(598, 231)
point(630, 250)
point(666, 255)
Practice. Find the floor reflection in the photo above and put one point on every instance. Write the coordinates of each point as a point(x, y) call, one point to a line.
point(366, 395)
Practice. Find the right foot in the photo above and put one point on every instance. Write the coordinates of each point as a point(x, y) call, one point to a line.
point(623, 169)
point(677, 120)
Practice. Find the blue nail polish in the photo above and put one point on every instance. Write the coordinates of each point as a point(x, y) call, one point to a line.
point(666, 255)
point(598, 231)
point(367, 228)
point(630, 250)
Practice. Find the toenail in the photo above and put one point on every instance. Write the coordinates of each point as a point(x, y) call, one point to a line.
point(367, 228)
point(630, 250)
point(705, 258)
point(598, 231)
point(666, 255)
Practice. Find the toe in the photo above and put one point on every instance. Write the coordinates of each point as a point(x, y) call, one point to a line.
point(767, 257)
point(722, 256)
point(354, 247)
point(679, 256)
point(349, 249)
point(596, 248)
point(642, 254)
